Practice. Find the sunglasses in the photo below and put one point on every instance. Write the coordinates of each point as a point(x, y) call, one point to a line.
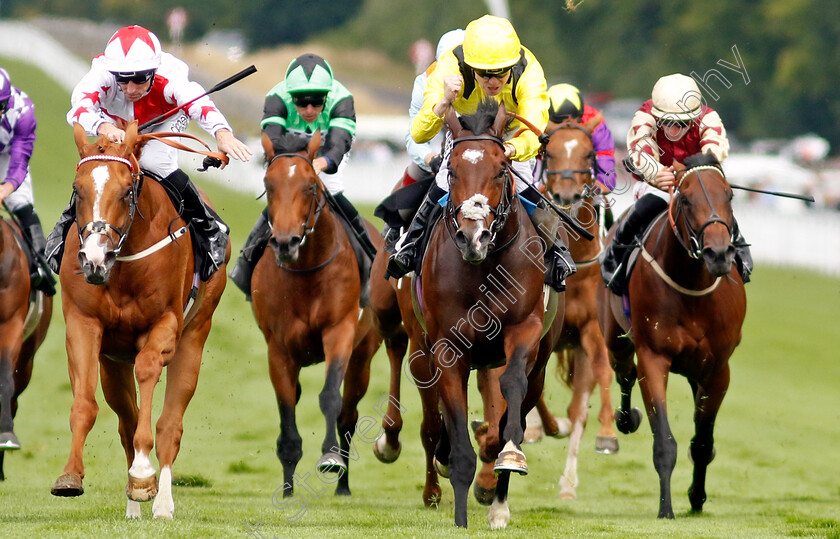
point(678, 124)
point(137, 77)
point(4, 106)
point(304, 100)
point(488, 74)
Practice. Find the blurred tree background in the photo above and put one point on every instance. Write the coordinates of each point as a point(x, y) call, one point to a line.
point(788, 48)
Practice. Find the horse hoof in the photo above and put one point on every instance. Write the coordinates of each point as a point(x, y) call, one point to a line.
point(67, 485)
point(141, 490)
point(564, 428)
point(628, 421)
point(533, 434)
point(384, 452)
point(442, 469)
point(331, 463)
point(484, 496)
point(9, 442)
point(511, 459)
point(606, 445)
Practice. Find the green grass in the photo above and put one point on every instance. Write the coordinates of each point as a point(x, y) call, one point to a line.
point(777, 434)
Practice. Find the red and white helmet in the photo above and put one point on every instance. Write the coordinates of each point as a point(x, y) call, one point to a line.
point(132, 49)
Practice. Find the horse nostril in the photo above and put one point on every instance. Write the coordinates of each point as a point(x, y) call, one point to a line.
point(557, 198)
point(460, 238)
point(484, 237)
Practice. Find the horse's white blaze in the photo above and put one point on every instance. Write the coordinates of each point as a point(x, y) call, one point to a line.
point(570, 147)
point(475, 208)
point(499, 515)
point(292, 170)
point(94, 249)
point(100, 177)
point(132, 509)
point(142, 467)
point(164, 506)
point(473, 156)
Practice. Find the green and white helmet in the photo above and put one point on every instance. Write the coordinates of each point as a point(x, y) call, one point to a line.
point(309, 73)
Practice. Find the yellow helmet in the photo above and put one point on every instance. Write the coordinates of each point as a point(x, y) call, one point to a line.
point(491, 43)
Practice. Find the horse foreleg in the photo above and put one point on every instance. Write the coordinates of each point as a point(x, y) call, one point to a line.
point(148, 367)
point(284, 372)
point(338, 346)
point(707, 401)
point(514, 384)
point(181, 380)
point(387, 447)
point(453, 395)
point(627, 418)
point(8, 397)
point(120, 394)
point(487, 435)
point(355, 386)
point(593, 343)
point(653, 381)
point(84, 338)
point(578, 411)
point(499, 513)
point(421, 374)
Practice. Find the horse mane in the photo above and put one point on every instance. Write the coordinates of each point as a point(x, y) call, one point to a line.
point(701, 160)
point(483, 118)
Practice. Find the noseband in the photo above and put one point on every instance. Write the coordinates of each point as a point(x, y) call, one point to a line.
point(102, 227)
point(316, 205)
point(695, 237)
point(499, 213)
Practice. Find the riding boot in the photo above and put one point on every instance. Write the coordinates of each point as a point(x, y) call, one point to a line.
point(251, 253)
point(54, 249)
point(366, 251)
point(39, 271)
point(558, 260)
point(210, 231)
point(743, 257)
point(614, 258)
point(407, 255)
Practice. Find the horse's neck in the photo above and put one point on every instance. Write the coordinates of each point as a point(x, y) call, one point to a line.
point(155, 211)
point(674, 259)
point(323, 237)
point(580, 247)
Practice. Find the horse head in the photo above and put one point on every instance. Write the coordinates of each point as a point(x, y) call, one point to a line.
point(569, 161)
point(480, 185)
point(105, 190)
point(295, 194)
point(701, 212)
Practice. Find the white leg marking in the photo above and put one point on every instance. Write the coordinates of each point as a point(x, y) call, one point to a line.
point(142, 467)
point(132, 509)
point(569, 481)
point(164, 506)
point(499, 515)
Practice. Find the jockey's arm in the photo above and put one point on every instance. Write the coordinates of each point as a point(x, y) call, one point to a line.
point(532, 104)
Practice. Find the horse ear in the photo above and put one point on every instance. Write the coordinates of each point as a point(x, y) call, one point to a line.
point(593, 122)
point(677, 166)
point(268, 146)
point(501, 120)
point(80, 136)
point(452, 121)
point(131, 135)
point(314, 144)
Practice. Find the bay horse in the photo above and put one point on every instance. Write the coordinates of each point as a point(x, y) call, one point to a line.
point(305, 295)
point(687, 306)
point(133, 305)
point(482, 298)
point(568, 164)
point(24, 319)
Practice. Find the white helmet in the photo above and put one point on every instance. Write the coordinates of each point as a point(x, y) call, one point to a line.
point(449, 41)
point(132, 49)
point(676, 97)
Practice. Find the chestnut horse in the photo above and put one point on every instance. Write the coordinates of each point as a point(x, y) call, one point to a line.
point(687, 305)
point(24, 319)
point(482, 298)
point(133, 305)
point(305, 293)
point(568, 161)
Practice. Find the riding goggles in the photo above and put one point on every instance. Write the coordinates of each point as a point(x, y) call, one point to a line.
point(137, 77)
point(304, 100)
point(488, 74)
point(4, 106)
point(678, 124)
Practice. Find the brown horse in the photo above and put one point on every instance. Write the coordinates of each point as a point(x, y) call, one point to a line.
point(24, 319)
point(687, 305)
point(131, 310)
point(305, 292)
point(582, 357)
point(482, 299)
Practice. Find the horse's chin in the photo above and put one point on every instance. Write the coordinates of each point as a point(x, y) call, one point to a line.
point(473, 256)
point(286, 256)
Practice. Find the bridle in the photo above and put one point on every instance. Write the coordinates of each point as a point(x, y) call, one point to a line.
point(319, 201)
point(500, 212)
point(694, 247)
point(567, 174)
point(102, 227)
